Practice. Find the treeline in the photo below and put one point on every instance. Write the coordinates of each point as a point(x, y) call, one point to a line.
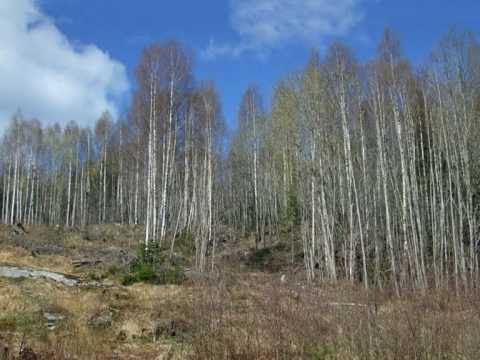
point(155, 167)
point(373, 168)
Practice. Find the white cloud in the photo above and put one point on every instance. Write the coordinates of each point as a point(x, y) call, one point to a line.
point(262, 25)
point(47, 76)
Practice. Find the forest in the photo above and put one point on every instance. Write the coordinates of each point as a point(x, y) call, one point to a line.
point(338, 218)
point(371, 169)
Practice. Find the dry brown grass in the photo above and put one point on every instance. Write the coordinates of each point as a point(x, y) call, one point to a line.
point(134, 310)
point(22, 257)
point(261, 318)
point(234, 315)
point(245, 316)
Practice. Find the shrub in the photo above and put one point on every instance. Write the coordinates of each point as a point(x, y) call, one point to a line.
point(140, 272)
point(154, 268)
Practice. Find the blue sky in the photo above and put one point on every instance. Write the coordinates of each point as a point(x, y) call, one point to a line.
point(235, 42)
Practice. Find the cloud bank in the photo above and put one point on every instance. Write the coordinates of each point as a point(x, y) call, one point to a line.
point(47, 76)
point(262, 25)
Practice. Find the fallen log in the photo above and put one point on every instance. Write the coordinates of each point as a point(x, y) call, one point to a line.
point(85, 262)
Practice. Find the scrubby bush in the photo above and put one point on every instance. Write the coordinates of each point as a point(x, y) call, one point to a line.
point(153, 267)
point(140, 272)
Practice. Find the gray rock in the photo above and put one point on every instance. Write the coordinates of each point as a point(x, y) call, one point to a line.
point(102, 320)
point(53, 319)
point(107, 283)
point(25, 272)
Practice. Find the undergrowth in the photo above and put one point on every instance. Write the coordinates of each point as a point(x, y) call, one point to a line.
point(154, 267)
point(255, 319)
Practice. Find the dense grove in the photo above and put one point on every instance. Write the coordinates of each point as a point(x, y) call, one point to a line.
point(373, 168)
